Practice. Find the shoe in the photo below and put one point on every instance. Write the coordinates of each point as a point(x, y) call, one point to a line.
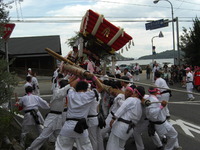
point(191, 99)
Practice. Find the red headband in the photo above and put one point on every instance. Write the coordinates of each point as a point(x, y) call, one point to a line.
point(153, 91)
point(129, 88)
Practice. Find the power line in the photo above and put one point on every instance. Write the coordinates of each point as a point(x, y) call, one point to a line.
point(188, 2)
point(78, 21)
point(141, 5)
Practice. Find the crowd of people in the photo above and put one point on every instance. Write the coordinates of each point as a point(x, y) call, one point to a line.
point(83, 113)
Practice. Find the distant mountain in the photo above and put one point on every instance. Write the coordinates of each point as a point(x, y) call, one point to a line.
point(119, 57)
point(162, 55)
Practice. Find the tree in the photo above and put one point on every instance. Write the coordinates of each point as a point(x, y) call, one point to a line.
point(190, 43)
point(8, 81)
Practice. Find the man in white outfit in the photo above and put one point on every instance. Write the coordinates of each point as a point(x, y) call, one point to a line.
point(126, 117)
point(117, 102)
point(75, 128)
point(163, 91)
point(189, 84)
point(141, 128)
point(155, 69)
point(93, 125)
point(137, 72)
point(53, 121)
point(157, 117)
point(32, 118)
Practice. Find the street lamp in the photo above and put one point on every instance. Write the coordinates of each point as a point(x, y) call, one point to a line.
point(153, 47)
point(155, 2)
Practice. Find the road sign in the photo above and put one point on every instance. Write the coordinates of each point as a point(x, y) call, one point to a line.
point(156, 24)
point(7, 30)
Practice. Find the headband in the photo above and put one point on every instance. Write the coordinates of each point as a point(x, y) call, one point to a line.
point(129, 88)
point(153, 91)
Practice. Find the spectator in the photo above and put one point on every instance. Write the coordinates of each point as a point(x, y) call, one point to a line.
point(148, 71)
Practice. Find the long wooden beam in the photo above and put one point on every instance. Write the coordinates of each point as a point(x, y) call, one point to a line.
point(78, 71)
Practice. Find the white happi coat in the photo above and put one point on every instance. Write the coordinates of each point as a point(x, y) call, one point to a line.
point(161, 83)
point(27, 84)
point(155, 113)
point(30, 101)
point(79, 104)
point(141, 127)
point(53, 122)
point(131, 110)
point(35, 83)
point(57, 104)
point(189, 84)
point(118, 101)
point(93, 129)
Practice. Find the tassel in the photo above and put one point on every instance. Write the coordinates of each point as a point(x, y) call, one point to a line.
point(126, 48)
point(122, 50)
point(133, 43)
point(129, 46)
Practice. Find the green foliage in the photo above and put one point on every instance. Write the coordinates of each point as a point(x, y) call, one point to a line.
point(91, 43)
point(5, 123)
point(8, 81)
point(190, 43)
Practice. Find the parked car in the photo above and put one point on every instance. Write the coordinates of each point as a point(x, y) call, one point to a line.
point(122, 67)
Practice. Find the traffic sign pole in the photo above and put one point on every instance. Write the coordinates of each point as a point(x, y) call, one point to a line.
point(8, 28)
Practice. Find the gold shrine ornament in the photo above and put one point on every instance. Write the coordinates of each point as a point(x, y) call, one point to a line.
point(106, 32)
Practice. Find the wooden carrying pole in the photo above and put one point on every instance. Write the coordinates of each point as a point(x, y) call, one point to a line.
point(78, 71)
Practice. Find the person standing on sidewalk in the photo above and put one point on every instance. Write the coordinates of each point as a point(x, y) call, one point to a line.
point(189, 84)
point(148, 71)
point(137, 70)
point(155, 69)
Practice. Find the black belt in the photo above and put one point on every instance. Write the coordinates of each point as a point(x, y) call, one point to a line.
point(55, 112)
point(30, 110)
point(189, 82)
point(65, 109)
point(33, 112)
point(125, 121)
point(112, 113)
point(130, 123)
point(90, 116)
point(157, 122)
point(167, 91)
point(74, 119)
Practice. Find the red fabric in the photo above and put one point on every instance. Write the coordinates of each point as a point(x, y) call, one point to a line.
point(197, 78)
point(106, 25)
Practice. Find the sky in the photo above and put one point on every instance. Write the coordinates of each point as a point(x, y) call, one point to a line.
point(63, 17)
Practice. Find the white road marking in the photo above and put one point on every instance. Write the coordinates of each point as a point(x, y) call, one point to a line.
point(186, 127)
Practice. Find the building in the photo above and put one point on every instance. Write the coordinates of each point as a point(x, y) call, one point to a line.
point(29, 52)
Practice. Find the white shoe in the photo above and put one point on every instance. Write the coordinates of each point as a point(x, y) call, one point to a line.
point(191, 99)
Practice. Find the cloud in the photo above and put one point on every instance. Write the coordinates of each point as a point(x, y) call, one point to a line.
point(112, 10)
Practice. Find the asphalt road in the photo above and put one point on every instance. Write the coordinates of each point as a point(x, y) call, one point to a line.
point(185, 117)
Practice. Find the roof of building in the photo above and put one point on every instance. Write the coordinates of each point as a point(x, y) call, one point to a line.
point(31, 46)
